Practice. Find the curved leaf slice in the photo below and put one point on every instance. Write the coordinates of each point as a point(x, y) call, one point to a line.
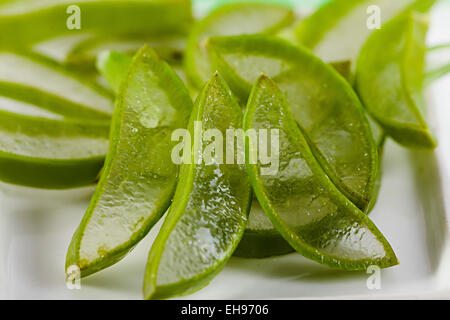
point(338, 30)
point(139, 177)
point(302, 203)
point(209, 210)
point(389, 79)
point(24, 22)
point(323, 103)
point(49, 153)
point(40, 81)
point(231, 19)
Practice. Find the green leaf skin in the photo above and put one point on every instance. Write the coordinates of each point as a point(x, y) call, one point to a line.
point(49, 153)
point(338, 30)
point(139, 177)
point(262, 240)
point(323, 103)
point(25, 22)
point(209, 211)
point(389, 80)
point(84, 54)
point(231, 19)
point(39, 81)
point(300, 200)
point(113, 66)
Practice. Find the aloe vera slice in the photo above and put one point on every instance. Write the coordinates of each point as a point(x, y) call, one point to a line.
point(338, 30)
point(24, 22)
point(437, 63)
point(231, 19)
point(49, 153)
point(139, 177)
point(84, 54)
point(389, 79)
point(209, 210)
point(323, 103)
point(302, 203)
point(40, 81)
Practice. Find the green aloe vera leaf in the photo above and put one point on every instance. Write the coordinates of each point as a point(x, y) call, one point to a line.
point(113, 66)
point(84, 54)
point(50, 153)
point(42, 82)
point(25, 22)
point(338, 30)
point(389, 79)
point(261, 239)
point(437, 63)
point(139, 177)
point(231, 19)
point(323, 103)
point(210, 209)
point(302, 203)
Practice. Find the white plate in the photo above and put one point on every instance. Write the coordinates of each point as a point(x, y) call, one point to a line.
point(36, 227)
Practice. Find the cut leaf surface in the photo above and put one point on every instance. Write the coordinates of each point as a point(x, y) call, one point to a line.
point(139, 177)
point(39, 81)
point(323, 103)
point(389, 79)
point(210, 208)
point(302, 203)
point(49, 153)
point(231, 19)
point(338, 30)
point(24, 22)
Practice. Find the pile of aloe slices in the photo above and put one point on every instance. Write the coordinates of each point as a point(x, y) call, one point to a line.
point(105, 101)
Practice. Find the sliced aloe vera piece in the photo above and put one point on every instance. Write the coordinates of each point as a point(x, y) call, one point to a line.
point(49, 153)
point(231, 19)
point(337, 31)
point(389, 79)
point(210, 208)
point(37, 80)
point(170, 48)
point(302, 203)
point(437, 63)
point(323, 103)
point(139, 177)
point(24, 22)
